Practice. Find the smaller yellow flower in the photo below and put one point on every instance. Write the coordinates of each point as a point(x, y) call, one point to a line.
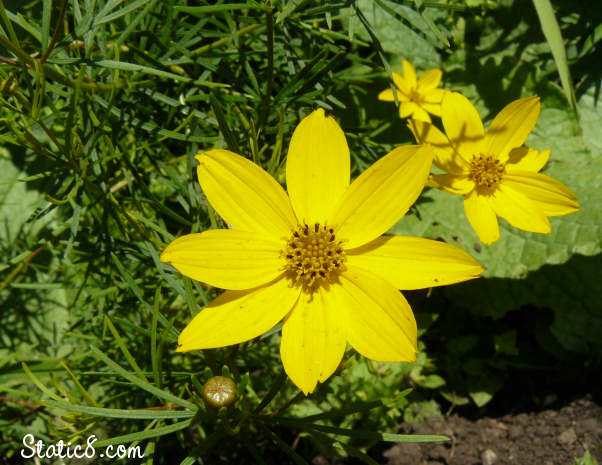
point(494, 172)
point(417, 96)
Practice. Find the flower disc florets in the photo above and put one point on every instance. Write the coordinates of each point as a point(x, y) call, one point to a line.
point(313, 255)
point(486, 172)
point(415, 96)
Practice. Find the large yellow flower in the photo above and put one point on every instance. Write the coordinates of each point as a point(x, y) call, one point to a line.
point(417, 96)
point(494, 172)
point(314, 258)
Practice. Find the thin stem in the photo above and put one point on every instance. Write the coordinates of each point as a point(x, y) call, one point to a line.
point(19, 267)
point(55, 34)
point(278, 411)
point(270, 77)
point(9, 61)
point(217, 43)
point(50, 72)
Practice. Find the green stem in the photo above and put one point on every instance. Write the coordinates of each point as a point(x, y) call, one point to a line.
point(270, 77)
point(225, 40)
point(51, 72)
point(55, 34)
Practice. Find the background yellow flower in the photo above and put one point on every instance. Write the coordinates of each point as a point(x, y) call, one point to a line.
point(315, 258)
point(417, 96)
point(494, 171)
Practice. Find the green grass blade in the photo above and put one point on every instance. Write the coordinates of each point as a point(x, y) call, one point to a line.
point(46, 15)
point(7, 24)
point(124, 11)
point(284, 447)
point(133, 414)
point(551, 30)
point(223, 124)
point(377, 436)
point(155, 363)
point(379, 48)
point(81, 388)
point(41, 386)
point(153, 433)
point(168, 396)
point(125, 66)
point(225, 7)
point(121, 344)
point(190, 460)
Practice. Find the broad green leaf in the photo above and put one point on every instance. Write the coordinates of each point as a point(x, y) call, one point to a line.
point(404, 32)
point(19, 201)
point(481, 397)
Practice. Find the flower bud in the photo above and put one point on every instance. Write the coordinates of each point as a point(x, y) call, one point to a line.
point(219, 391)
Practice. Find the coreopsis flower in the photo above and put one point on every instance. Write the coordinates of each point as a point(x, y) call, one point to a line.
point(495, 173)
point(417, 96)
point(314, 258)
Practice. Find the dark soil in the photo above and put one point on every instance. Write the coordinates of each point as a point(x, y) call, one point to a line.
point(549, 437)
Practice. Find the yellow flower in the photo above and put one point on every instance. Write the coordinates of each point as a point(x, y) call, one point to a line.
point(494, 172)
point(314, 258)
point(416, 96)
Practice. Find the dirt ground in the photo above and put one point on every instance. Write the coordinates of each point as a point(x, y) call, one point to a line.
point(549, 437)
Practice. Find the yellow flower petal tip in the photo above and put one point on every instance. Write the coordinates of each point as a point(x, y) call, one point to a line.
point(493, 170)
point(317, 167)
point(417, 96)
point(314, 259)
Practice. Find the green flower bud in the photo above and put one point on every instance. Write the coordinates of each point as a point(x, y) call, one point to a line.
point(219, 391)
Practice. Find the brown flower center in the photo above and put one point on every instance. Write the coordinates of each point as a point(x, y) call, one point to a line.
point(414, 95)
point(313, 255)
point(486, 172)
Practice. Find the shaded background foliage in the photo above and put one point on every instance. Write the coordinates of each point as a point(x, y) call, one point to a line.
point(98, 176)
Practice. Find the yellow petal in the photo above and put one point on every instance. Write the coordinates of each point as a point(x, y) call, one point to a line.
point(237, 316)
point(434, 96)
point(414, 263)
point(406, 109)
point(510, 128)
point(245, 195)
point(481, 217)
point(386, 95)
point(462, 124)
point(527, 159)
point(429, 80)
point(445, 157)
point(518, 210)
point(317, 167)
point(402, 85)
point(379, 322)
point(313, 340)
point(432, 108)
point(553, 197)
point(452, 183)
point(382, 194)
point(421, 115)
point(226, 258)
point(409, 74)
